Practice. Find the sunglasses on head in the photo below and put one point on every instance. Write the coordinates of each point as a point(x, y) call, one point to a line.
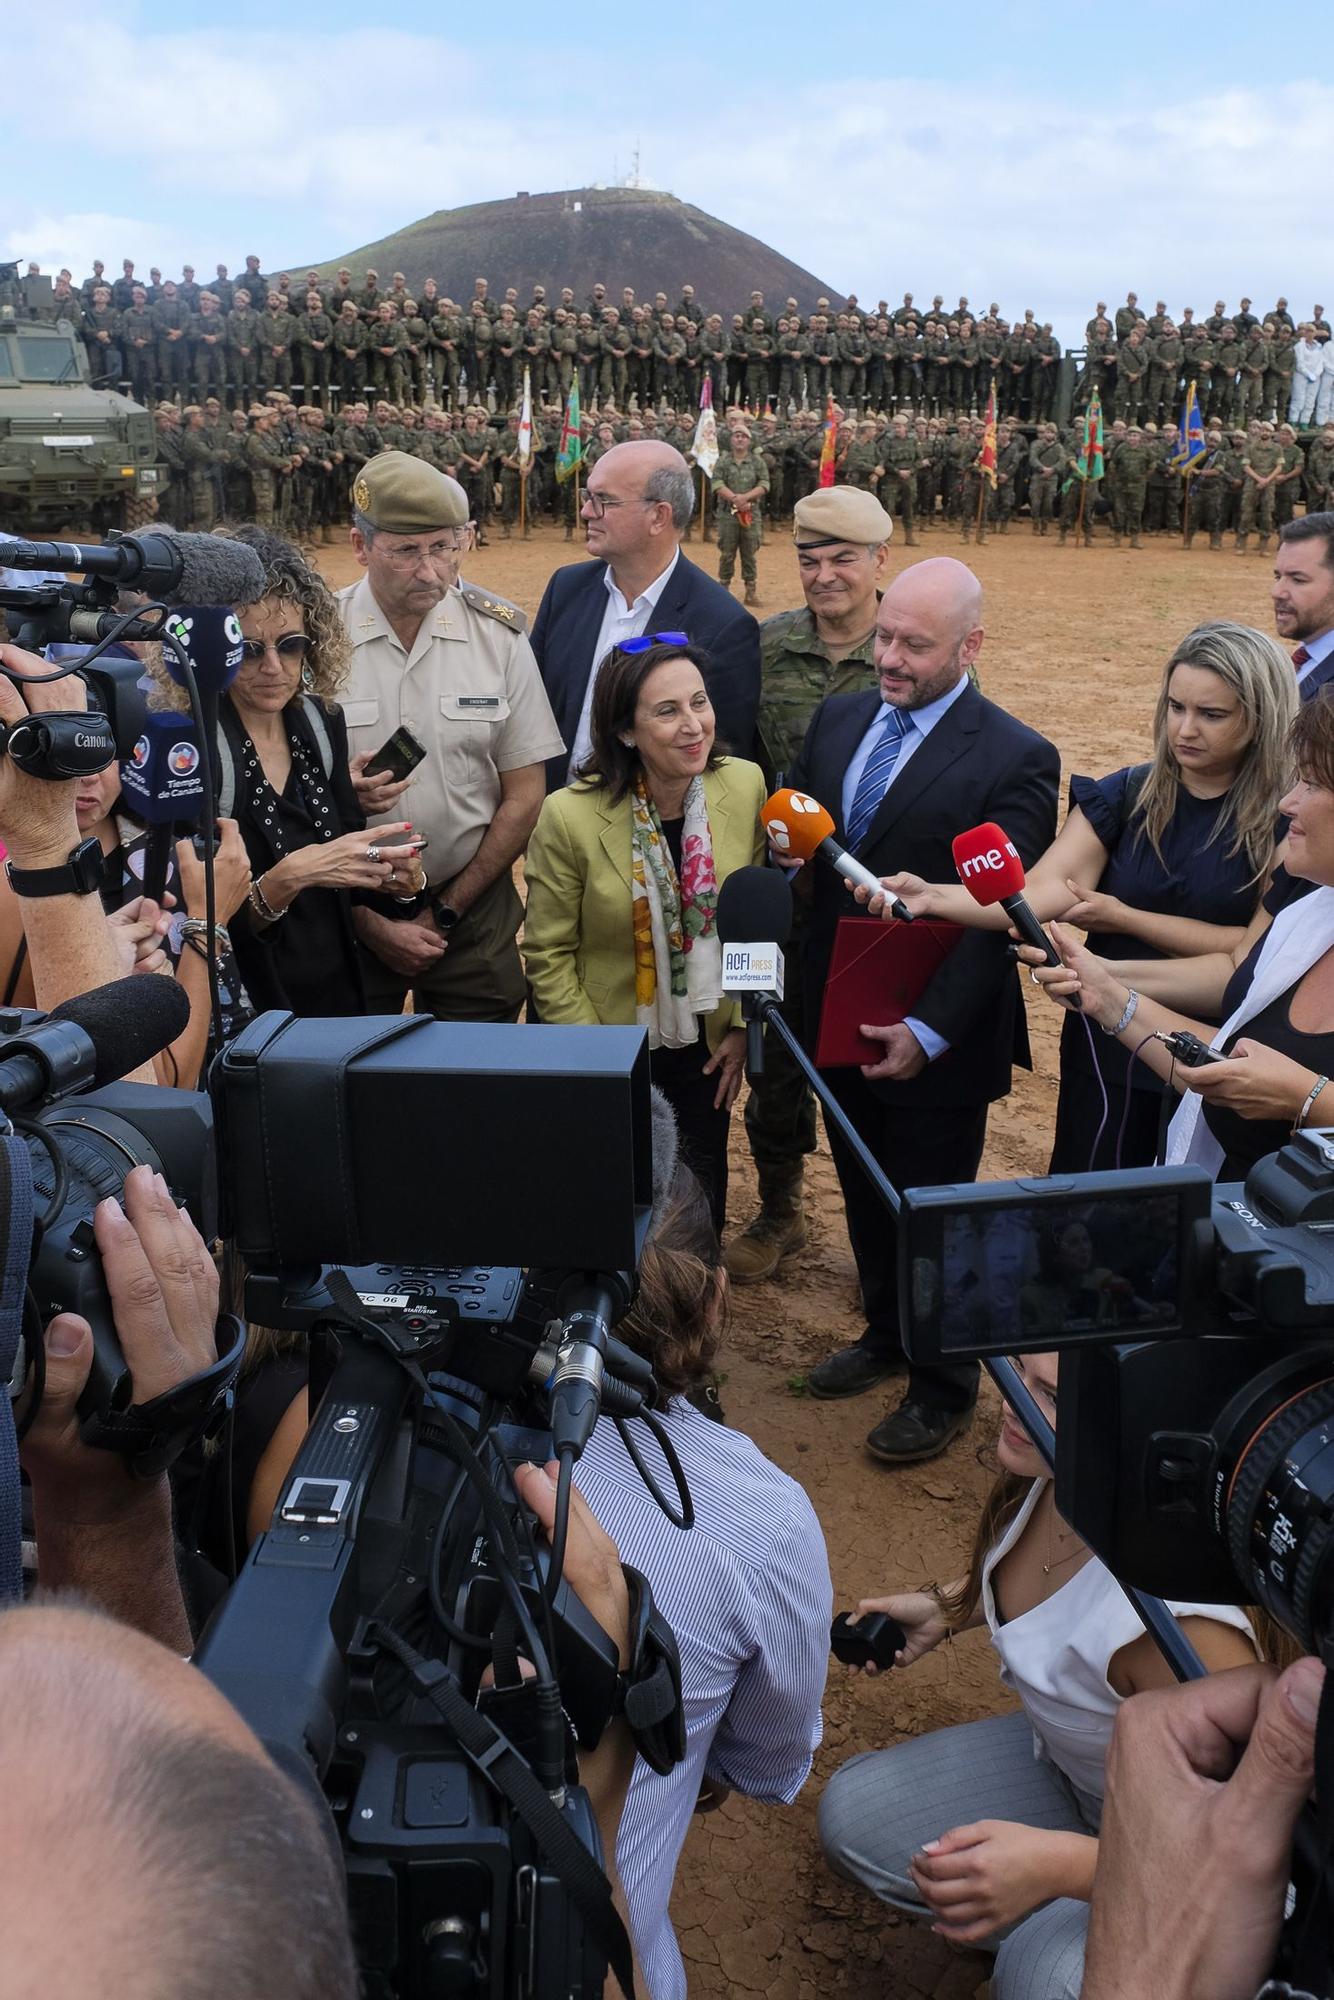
point(642, 645)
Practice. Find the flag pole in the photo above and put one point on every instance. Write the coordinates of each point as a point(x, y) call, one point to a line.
point(523, 504)
point(1185, 513)
point(1079, 522)
point(981, 504)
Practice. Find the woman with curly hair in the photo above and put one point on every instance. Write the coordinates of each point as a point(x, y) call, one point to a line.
point(282, 745)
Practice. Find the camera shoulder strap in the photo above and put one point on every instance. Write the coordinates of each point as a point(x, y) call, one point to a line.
point(500, 1764)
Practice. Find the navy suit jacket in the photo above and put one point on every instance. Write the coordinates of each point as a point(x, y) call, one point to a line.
point(978, 763)
point(566, 631)
point(1319, 676)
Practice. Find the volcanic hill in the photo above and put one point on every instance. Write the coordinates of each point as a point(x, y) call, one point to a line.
point(618, 235)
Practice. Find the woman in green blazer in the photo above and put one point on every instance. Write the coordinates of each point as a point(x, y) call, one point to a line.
point(623, 871)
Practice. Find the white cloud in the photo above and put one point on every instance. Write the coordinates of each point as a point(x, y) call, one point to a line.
point(877, 185)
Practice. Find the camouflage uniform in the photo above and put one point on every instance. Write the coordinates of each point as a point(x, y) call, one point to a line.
point(1045, 460)
point(1208, 493)
point(277, 331)
point(1261, 460)
point(902, 457)
point(739, 475)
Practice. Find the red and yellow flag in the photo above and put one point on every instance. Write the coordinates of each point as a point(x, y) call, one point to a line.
point(827, 446)
point(987, 461)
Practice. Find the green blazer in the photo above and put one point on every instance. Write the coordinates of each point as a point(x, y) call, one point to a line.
point(578, 940)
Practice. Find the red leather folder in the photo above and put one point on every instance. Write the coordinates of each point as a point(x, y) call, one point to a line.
point(877, 974)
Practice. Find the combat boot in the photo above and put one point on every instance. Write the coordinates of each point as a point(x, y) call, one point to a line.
point(1117, 541)
point(1215, 538)
point(1241, 543)
point(1064, 533)
point(910, 540)
point(1264, 545)
point(1135, 542)
point(778, 1230)
point(752, 596)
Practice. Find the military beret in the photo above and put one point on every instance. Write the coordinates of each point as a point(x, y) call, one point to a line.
point(405, 496)
point(839, 514)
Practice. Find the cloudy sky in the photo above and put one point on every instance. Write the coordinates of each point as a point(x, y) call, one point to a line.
point(1001, 149)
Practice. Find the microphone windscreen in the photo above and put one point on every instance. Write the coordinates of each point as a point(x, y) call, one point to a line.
point(796, 823)
point(161, 781)
point(128, 1022)
point(212, 568)
point(755, 907)
point(988, 863)
point(211, 638)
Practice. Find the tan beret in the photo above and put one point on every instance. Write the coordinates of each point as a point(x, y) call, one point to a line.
point(405, 496)
point(840, 514)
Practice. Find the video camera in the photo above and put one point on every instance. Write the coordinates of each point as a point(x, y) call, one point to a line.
point(1195, 1442)
point(454, 1215)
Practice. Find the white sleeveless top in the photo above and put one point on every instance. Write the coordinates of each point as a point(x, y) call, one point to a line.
point(1055, 1657)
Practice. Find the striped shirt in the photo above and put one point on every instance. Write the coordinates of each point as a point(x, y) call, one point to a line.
point(748, 1595)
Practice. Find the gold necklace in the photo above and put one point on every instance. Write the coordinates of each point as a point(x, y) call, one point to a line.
point(1053, 1560)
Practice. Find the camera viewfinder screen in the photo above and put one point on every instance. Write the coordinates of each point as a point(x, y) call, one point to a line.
point(1019, 1276)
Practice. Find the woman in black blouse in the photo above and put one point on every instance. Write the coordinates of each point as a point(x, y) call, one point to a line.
point(283, 746)
point(1167, 859)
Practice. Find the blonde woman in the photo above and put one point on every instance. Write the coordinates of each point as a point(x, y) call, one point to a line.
point(1167, 859)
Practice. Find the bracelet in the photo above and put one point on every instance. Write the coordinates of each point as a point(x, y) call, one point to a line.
point(261, 905)
point(1311, 1097)
point(199, 927)
point(1127, 1017)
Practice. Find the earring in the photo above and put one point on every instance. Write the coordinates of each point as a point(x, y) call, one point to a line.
point(307, 677)
point(629, 742)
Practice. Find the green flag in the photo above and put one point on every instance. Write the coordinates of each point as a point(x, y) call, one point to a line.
point(1091, 463)
point(571, 451)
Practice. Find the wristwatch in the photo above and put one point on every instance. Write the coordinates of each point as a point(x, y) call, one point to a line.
point(80, 875)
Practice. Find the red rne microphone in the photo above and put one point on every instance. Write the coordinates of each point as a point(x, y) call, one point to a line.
point(799, 828)
point(991, 871)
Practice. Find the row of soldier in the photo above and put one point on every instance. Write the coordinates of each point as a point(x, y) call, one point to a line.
point(337, 342)
point(293, 465)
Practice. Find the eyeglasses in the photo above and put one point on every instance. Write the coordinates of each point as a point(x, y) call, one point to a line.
point(598, 504)
point(435, 552)
point(642, 645)
point(292, 646)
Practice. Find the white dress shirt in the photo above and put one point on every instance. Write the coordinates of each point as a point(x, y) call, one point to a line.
point(619, 621)
point(1317, 649)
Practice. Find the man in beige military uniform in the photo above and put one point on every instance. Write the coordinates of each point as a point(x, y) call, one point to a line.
point(452, 663)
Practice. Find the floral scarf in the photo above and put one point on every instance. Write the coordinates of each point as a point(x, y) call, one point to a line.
point(678, 959)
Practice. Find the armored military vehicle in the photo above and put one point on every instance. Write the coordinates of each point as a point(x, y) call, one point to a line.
point(70, 455)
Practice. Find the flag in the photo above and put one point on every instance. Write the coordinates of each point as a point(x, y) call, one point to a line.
point(704, 450)
point(1193, 447)
point(987, 460)
point(526, 422)
point(1091, 464)
point(827, 469)
point(570, 454)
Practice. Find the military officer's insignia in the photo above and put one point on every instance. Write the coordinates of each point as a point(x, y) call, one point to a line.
point(361, 496)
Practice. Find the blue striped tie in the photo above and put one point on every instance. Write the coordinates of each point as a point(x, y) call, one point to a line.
point(874, 780)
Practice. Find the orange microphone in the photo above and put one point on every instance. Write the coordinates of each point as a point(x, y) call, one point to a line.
point(799, 828)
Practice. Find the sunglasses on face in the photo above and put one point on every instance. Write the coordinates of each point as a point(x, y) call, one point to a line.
point(292, 646)
point(642, 645)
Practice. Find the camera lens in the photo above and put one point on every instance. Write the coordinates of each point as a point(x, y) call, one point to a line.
point(1277, 1508)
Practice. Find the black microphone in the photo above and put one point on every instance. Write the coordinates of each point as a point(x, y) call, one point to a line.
point(91, 1040)
point(162, 784)
point(754, 923)
point(179, 569)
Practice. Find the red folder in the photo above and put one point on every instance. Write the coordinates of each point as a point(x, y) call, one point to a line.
point(877, 974)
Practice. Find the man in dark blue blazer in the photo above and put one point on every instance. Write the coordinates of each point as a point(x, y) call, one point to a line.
point(638, 503)
point(1303, 595)
point(903, 769)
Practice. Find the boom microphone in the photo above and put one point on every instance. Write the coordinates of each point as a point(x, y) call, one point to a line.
point(800, 826)
point(178, 569)
point(92, 1040)
point(991, 871)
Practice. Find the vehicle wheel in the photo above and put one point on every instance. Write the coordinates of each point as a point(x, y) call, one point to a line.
point(137, 510)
